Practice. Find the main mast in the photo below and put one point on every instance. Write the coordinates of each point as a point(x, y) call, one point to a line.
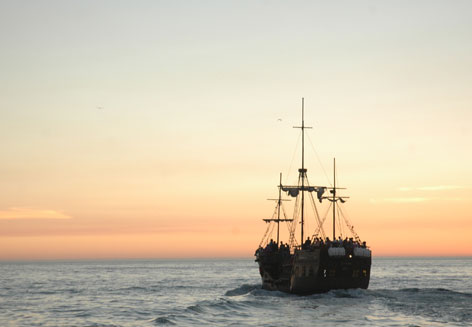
point(279, 204)
point(302, 170)
point(334, 199)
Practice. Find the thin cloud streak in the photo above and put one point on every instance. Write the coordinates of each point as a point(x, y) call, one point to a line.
point(432, 188)
point(401, 200)
point(30, 213)
point(440, 188)
point(417, 199)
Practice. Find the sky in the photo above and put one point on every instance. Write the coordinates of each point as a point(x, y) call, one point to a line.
point(158, 129)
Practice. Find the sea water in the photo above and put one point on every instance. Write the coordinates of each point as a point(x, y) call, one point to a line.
point(402, 292)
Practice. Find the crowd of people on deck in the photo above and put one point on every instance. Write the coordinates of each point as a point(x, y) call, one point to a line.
point(348, 243)
point(272, 247)
point(310, 244)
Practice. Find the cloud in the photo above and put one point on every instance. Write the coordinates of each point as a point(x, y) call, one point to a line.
point(414, 199)
point(30, 213)
point(431, 188)
point(404, 189)
point(401, 200)
point(440, 188)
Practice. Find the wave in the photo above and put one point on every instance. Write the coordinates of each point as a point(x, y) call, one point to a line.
point(162, 321)
point(196, 308)
point(421, 292)
point(438, 304)
point(243, 289)
point(435, 304)
point(255, 289)
point(53, 291)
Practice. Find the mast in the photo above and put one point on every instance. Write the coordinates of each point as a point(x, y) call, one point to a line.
point(279, 203)
point(334, 199)
point(303, 166)
point(302, 170)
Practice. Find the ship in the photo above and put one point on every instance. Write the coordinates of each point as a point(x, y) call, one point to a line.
point(314, 263)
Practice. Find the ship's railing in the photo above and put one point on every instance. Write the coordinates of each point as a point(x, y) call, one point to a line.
point(333, 250)
point(362, 252)
point(336, 252)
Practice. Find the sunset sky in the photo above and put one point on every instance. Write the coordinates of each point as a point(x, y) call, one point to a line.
point(158, 129)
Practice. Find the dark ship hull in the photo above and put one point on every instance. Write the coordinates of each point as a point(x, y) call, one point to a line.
point(314, 270)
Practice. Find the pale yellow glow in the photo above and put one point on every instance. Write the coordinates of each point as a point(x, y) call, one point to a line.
point(30, 213)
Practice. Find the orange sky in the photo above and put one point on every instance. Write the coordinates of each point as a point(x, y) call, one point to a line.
point(160, 130)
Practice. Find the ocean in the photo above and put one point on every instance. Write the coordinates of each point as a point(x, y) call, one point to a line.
point(402, 292)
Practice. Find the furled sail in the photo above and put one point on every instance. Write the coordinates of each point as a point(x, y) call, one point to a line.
point(319, 193)
point(293, 191)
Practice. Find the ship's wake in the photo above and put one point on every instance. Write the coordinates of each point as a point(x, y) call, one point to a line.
point(425, 305)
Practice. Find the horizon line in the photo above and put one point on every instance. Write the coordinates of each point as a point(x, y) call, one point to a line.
point(413, 256)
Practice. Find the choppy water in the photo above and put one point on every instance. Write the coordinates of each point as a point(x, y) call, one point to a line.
point(403, 292)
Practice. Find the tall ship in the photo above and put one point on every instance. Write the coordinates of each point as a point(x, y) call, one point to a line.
point(314, 262)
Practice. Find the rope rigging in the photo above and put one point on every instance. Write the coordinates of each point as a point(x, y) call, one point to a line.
point(299, 192)
point(271, 226)
point(264, 236)
point(340, 225)
point(317, 215)
point(317, 232)
point(318, 158)
point(293, 157)
point(349, 225)
point(293, 226)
